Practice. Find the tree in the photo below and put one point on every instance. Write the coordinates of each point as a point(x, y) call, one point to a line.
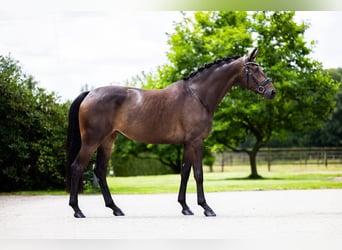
point(32, 132)
point(336, 74)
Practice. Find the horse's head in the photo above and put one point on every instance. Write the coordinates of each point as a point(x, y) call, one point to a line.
point(254, 78)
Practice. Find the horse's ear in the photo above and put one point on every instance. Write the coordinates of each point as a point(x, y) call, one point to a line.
point(252, 55)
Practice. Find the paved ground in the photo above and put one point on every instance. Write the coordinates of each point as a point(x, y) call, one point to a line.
point(312, 214)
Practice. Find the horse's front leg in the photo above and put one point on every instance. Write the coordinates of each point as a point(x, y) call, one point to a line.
point(196, 158)
point(185, 172)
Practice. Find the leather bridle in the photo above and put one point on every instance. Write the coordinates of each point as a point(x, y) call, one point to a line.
point(260, 87)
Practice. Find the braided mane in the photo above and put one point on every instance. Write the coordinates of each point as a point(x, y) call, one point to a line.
point(209, 65)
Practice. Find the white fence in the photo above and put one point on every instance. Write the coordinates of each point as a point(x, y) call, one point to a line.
point(278, 156)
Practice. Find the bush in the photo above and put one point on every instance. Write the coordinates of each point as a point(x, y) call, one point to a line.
point(133, 166)
point(32, 132)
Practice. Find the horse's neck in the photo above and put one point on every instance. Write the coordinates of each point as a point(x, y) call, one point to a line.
point(213, 86)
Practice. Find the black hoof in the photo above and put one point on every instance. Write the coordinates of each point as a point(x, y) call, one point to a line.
point(118, 212)
point(209, 213)
point(79, 214)
point(187, 211)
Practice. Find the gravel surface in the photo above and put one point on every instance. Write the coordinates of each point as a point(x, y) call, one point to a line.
point(307, 214)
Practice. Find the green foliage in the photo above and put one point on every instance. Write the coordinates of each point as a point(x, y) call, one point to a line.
point(201, 39)
point(336, 74)
point(132, 158)
point(32, 131)
point(134, 166)
point(330, 134)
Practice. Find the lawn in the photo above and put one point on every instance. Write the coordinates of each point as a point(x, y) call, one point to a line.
point(233, 179)
point(280, 178)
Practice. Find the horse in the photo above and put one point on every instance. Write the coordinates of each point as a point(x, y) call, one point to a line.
point(181, 113)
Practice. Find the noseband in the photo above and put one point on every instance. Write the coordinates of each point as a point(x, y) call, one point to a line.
point(259, 86)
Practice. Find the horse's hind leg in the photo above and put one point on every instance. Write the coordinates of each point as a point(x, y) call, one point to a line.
point(77, 168)
point(103, 155)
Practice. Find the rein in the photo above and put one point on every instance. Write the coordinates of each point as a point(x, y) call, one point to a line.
point(259, 86)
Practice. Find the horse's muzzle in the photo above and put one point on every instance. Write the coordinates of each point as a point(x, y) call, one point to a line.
point(270, 93)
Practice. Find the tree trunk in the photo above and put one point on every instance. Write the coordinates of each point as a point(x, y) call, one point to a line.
point(252, 160)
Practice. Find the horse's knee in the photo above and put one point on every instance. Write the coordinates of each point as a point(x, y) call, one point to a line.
point(76, 178)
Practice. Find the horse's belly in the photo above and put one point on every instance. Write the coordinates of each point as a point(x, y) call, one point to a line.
point(154, 134)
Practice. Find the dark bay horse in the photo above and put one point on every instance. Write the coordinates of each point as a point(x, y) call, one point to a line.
point(182, 113)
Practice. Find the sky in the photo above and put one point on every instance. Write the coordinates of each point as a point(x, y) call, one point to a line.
point(67, 46)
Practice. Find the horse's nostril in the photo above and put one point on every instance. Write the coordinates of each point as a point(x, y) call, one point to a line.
point(273, 92)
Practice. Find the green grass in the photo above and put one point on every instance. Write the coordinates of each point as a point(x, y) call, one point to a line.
point(233, 179)
point(280, 178)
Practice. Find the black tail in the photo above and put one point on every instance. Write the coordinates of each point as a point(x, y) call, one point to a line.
point(74, 138)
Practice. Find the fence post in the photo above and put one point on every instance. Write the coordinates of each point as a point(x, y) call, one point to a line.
point(222, 162)
point(325, 158)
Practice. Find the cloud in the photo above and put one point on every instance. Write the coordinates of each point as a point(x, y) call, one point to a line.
point(65, 47)
point(324, 30)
